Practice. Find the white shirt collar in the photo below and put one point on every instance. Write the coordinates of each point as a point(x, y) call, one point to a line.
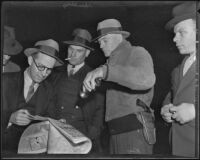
point(77, 67)
point(27, 78)
point(188, 63)
point(28, 81)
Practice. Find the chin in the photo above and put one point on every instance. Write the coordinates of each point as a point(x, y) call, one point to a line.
point(107, 54)
point(72, 63)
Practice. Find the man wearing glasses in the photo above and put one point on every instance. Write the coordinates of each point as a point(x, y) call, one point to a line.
point(26, 93)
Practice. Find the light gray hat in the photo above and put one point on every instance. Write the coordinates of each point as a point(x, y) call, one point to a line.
point(49, 47)
point(110, 26)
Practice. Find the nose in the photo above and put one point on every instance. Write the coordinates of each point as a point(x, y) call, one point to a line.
point(45, 72)
point(73, 53)
point(175, 38)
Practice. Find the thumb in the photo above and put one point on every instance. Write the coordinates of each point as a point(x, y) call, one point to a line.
point(173, 109)
point(26, 111)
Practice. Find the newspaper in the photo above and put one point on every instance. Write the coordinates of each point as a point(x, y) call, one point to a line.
point(53, 137)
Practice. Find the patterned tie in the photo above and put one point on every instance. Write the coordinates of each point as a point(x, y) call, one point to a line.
point(71, 71)
point(30, 91)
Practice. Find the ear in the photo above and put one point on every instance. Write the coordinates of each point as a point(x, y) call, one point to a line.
point(87, 52)
point(30, 60)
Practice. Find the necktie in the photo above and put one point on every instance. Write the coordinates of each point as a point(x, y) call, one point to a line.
point(71, 71)
point(30, 92)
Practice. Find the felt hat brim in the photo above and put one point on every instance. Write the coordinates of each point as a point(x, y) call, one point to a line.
point(29, 51)
point(78, 44)
point(124, 33)
point(178, 19)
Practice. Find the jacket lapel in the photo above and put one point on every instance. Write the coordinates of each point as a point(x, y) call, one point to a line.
point(187, 78)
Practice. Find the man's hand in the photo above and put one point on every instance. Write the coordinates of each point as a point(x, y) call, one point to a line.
point(183, 113)
point(166, 114)
point(89, 81)
point(20, 117)
point(63, 120)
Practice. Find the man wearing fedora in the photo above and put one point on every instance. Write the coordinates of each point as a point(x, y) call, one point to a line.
point(86, 115)
point(130, 75)
point(27, 92)
point(179, 105)
point(10, 47)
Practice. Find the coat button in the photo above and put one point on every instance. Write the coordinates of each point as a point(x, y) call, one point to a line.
point(62, 107)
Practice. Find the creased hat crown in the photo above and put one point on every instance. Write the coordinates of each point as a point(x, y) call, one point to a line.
point(81, 37)
point(49, 47)
point(183, 11)
point(109, 26)
point(11, 45)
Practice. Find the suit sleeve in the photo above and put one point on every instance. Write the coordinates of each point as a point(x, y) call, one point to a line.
point(137, 73)
point(5, 101)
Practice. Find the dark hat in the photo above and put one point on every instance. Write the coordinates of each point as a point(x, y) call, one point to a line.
point(110, 26)
point(48, 47)
point(186, 10)
point(81, 37)
point(11, 46)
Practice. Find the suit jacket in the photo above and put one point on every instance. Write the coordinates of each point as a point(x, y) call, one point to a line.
point(84, 114)
point(13, 100)
point(183, 91)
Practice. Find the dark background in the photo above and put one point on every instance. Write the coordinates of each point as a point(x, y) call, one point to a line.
point(145, 20)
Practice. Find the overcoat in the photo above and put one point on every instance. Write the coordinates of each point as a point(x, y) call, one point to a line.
point(183, 91)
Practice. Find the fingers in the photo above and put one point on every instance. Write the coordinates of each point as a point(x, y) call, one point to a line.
point(166, 108)
point(86, 82)
point(166, 114)
point(20, 117)
point(89, 82)
point(173, 109)
point(167, 117)
point(63, 120)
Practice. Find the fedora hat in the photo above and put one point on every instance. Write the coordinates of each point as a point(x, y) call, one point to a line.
point(186, 10)
point(11, 46)
point(48, 47)
point(81, 37)
point(110, 26)
point(53, 137)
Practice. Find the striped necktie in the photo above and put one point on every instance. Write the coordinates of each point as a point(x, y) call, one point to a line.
point(30, 91)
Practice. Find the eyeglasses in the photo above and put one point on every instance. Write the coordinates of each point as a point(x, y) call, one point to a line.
point(42, 68)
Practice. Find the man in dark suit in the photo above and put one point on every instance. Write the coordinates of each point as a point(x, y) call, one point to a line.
point(86, 115)
point(27, 92)
point(179, 106)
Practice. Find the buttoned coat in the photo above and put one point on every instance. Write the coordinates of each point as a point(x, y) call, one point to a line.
point(13, 100)
point(84, 114)
point(183, 91)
